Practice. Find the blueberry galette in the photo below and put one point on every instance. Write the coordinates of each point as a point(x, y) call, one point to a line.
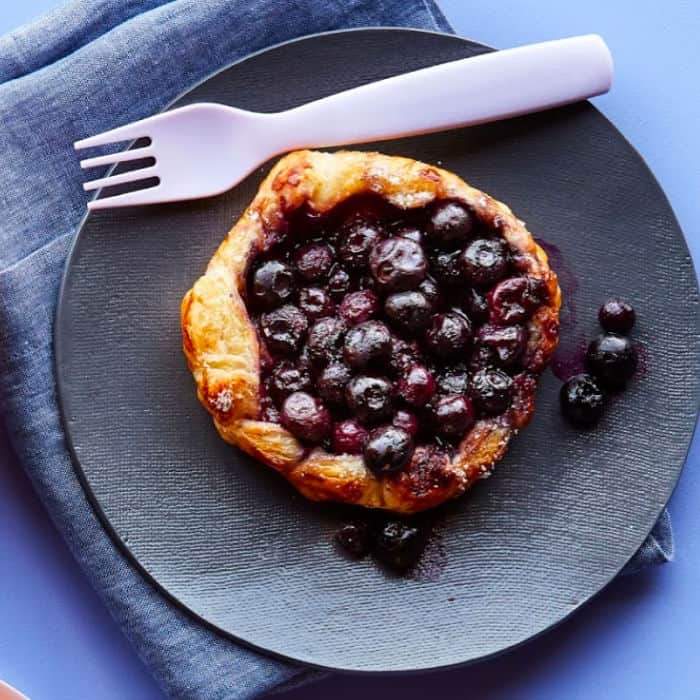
point(372, 328)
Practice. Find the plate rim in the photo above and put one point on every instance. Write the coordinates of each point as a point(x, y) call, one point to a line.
point(58, 353)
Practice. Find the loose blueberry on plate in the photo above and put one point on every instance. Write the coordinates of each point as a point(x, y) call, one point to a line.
point(417, 386)
point(313, 261)
point(491, 389)
point(398, 545)
point(286, 378)
point(315, 303)
point(449, 335)
point(358, 307)
point(284, 329)
point(410, 312)
point(349, 437)
point(451, 223)
point(485, 261)
point(368, 344)
point(398, 264)
point(612, 359)
point(354, 539)
point(332, 382)
point(369, 398)
point(582, 400)
point(452, 416)
point(272, 284)
point(617, 316)
point(388, 450)
point(326, 340)
point(306, 417)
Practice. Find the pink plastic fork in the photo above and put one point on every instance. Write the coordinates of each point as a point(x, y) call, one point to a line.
point(205, 149)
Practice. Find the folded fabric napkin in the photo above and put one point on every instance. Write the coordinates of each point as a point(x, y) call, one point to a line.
point(90, 66)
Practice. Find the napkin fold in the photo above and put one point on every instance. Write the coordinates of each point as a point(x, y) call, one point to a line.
point(84, 68)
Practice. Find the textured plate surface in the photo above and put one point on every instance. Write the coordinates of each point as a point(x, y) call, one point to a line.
point(232, 542)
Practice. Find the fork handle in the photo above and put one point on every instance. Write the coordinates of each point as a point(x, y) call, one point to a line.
point(469, 91)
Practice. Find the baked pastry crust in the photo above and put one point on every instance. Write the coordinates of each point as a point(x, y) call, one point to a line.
point(223, 353)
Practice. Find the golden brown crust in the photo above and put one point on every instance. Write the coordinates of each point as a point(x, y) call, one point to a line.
point(223, 352)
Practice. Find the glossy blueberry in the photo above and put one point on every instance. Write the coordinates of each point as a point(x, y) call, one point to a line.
point(508, 342)
point(357, 238)
point(354, 539)
point(284, 329)
point(326, 340)
point(617, 316)
point(316, 303)
point(449, 335)
point(514, 299)
point(358, 307)
point(332, 381)
point(398, 264)
point(399, 545)
point(369, 398)
point(339, 283)
point(454, 380)
point(451, 223)
point(388, 450)
point(612, 359)
point(349, 437)
point(452, 416)
point(403, 354)
point(367, 344)
point(409, 312)
point(313, 261)
point(485, 261)
point(306, 417)
point(286, 378)
point(417, 386)
point(582, 400)
point(272, 284)
point(430, 290)
point(491, 390)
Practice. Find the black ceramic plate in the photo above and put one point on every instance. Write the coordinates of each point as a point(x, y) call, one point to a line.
point(228, 538)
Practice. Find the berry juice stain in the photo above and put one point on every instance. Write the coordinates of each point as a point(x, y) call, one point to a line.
point(568, 360)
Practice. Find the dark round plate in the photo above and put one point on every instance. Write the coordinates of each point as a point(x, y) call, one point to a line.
point(231, 542)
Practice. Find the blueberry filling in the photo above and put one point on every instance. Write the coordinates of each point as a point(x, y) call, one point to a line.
point(383, 330)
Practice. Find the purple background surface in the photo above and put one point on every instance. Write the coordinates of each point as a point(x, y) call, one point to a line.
point(638, 639)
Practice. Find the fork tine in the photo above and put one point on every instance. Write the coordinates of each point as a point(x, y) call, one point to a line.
point(120, 179)
point(133, 130)
point(120, 157)
point(128, 199)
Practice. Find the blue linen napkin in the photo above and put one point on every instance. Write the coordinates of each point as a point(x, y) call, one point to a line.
point(87, 67)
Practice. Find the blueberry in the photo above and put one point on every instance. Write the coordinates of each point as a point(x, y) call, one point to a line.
point(272, 284)
point(406, 421)
point(358, 307)
point(617, 316)
point(508, 342)
point(399, 545)
point(449, 335)
point(286, 378)
point(492, 390)
point(515, 299)
point(313, 261)
point(332, 382)
point(368, 344)
point(357, 238)
point(582, 400)
point(398, 264)
point(403, 354)
point(306, 417)
point(612, 359)
point(284, 329)
point(485, 261)
point(349, 437)
point(451, 223)
point(369, 398)
point(417, 386)
point(454, 380)
point(452, 416)
point(354, 539)
point(388, 450)
point(326, 340)
point(315, 303)
point(430, 290)
point(338, 284)
point(410, 312)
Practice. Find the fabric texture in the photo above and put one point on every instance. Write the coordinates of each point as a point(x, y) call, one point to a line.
point(85, 68)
